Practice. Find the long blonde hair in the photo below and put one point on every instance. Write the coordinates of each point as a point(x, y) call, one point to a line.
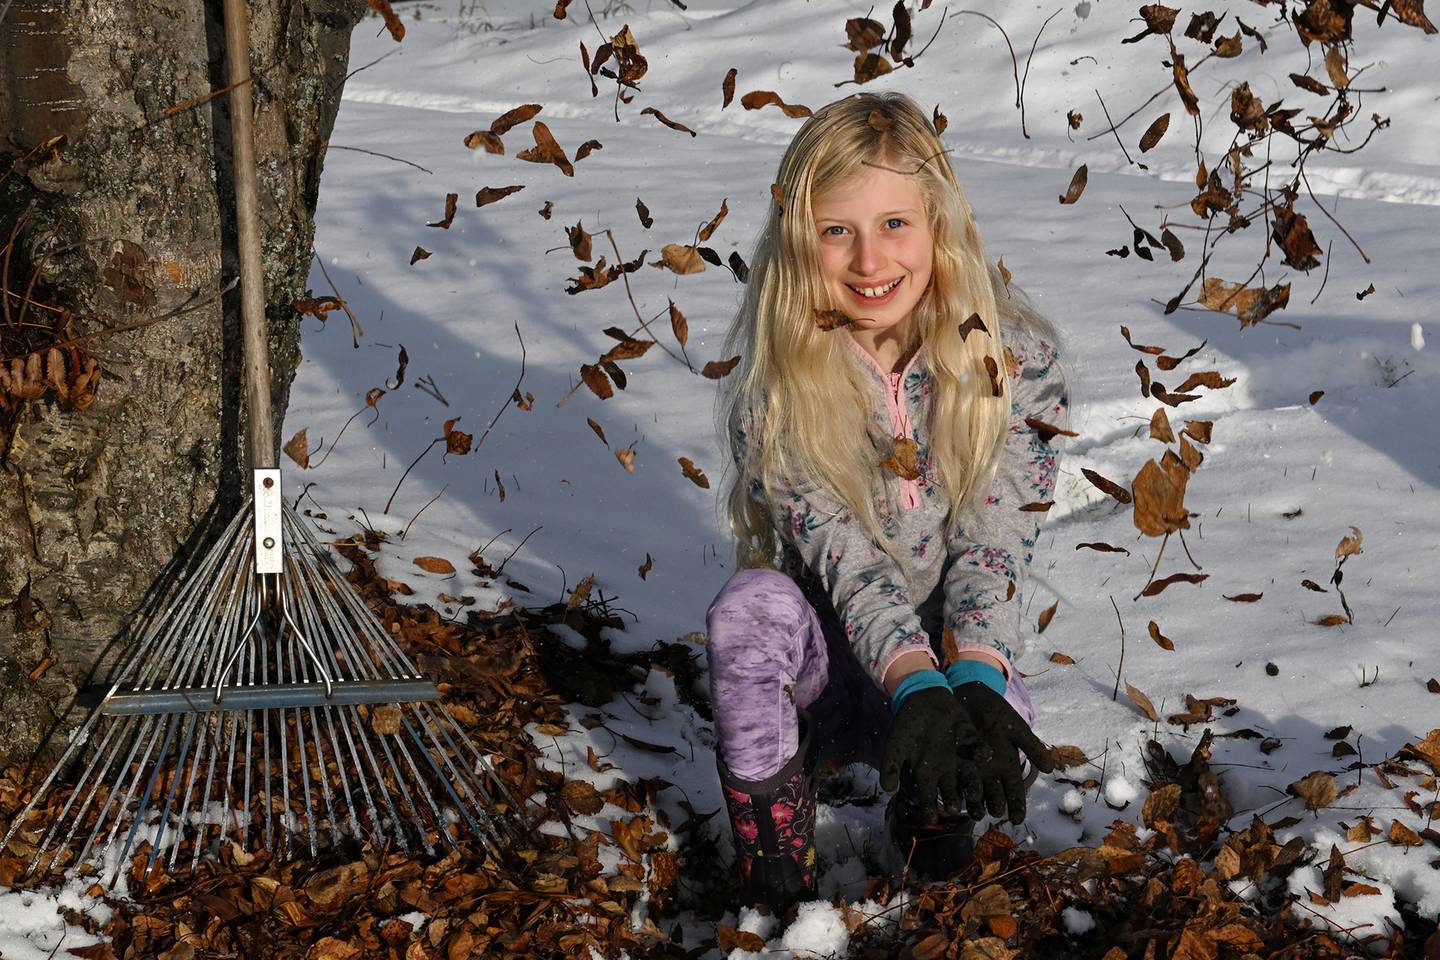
point(812, 413)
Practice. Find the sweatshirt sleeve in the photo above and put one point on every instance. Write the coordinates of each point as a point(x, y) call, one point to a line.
point(866, 586)
point(991, 542)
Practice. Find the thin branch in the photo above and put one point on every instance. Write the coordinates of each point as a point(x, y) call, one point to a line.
point(1121, 668)
point(1328, 247)
point(187, 307)
point(427, 449)
point(356, 331)
point(1027, 70)
point(373, 153)
point(1014, 63)
point(196, 101)
point(1112, 128)
point(422, 509)
point(518, 381)
point(1337, 223)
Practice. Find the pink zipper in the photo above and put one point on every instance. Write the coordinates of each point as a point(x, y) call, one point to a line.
point(900, 424)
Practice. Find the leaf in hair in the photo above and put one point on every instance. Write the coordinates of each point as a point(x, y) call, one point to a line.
point(992, 369)
point(727, 87)
point(830, 319)
point(778, 195)
point(974, 323)
point(1077, 185)
point(1005, 273)
point(1012, 366)
point(879, 122)
point(940, 121)
point(901, 461)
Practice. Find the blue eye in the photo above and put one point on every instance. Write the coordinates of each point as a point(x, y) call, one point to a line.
point(895, 220)
point(833, 227)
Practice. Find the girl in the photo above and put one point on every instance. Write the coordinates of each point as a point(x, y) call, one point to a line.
point(892, 428)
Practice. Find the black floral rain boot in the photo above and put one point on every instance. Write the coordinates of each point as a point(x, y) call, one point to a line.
point(774, 827)
point(933, 851)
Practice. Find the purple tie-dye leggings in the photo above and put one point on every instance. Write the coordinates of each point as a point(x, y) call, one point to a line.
point(772, 656)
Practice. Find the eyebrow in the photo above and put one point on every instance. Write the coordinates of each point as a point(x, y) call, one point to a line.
point(889, 213)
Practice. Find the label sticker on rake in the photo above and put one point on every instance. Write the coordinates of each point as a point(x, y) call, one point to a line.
point(269, 549)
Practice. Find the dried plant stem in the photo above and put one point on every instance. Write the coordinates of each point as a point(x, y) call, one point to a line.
point(422, 509)
point(1152, 569)
point(519, 380)
point(356, 331)
point(1119, 670)
point(428, 448)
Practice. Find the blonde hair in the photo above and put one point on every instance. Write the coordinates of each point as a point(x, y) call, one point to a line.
point(812, 413)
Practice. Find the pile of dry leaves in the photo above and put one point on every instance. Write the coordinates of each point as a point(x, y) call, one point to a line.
point(1169, 895)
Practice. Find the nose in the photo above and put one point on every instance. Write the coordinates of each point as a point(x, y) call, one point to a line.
point(867, 257)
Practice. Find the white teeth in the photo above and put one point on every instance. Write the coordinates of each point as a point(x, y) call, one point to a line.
point(873, 292)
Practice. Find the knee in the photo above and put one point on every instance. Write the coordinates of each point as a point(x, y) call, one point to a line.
point(756, 608)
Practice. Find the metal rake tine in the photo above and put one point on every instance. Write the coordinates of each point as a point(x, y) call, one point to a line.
point(188, 738)
point(145, 799)
point(405, 794)
point(356, 724)
point(486, 834)
point(151, 732)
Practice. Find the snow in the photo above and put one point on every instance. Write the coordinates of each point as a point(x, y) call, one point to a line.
point(1077, 921)
point(1283, 479)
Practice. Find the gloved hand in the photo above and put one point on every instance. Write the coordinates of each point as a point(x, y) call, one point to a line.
point(927, 738)
point(996, 783)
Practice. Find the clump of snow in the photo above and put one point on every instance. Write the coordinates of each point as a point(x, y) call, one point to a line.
point(1417, 336)
point(32, 928)
point(1119, 791)
point(1073, 802)
point(1077, 921)
point(818, 928)
point(1355, 917)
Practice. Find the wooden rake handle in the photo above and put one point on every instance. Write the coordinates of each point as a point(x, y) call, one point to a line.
point(259, 434)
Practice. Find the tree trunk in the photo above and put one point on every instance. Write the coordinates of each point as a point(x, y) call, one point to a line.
point(128, 215)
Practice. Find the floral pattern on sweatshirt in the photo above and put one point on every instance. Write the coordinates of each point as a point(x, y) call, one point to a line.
point(965, 573)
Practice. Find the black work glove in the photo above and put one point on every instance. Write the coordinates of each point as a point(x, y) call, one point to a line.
point(926, 741)
point(996, 784)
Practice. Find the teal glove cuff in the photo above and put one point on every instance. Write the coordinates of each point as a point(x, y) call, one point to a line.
point(975, 671)
point(919, 680)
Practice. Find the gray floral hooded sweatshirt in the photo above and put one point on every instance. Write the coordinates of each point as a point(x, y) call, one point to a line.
point(967, 574)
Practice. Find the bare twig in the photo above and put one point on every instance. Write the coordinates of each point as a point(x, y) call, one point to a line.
point(421, 510)
point(1337, 223)
point(386, 156)
point(1021, 98)
point(1014, 63)
point(1119, 669)
point(187, 307)
point(428, 448)
point(1112, 128)
point(506, 405)
point(356, 331)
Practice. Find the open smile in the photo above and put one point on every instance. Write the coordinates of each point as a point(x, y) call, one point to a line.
point(877, 293)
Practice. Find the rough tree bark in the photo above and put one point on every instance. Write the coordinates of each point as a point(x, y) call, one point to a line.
point(121, 221)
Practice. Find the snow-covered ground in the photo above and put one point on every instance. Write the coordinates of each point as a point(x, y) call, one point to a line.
point(1283, 480)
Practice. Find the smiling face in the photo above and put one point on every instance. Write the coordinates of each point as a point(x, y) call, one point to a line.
point(876, 251)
